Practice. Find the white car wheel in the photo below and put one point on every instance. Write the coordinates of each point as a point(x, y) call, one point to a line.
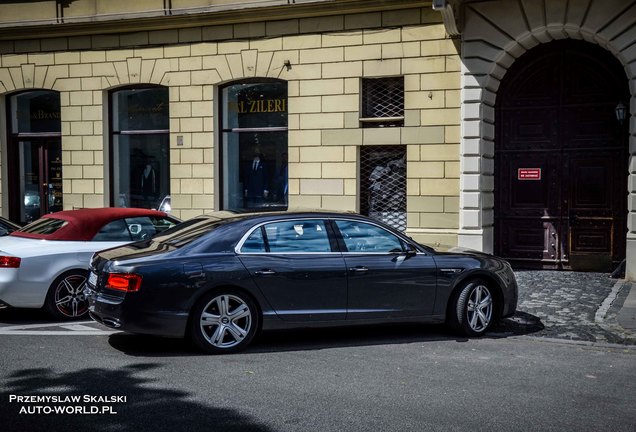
point(66, 299)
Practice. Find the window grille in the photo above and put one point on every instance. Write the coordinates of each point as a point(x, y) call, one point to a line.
point(383, 184)
point(382, 102)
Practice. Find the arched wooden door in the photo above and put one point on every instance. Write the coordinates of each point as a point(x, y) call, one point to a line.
point(561, 159)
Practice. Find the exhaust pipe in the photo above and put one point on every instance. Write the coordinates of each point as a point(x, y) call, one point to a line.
point(111, 323)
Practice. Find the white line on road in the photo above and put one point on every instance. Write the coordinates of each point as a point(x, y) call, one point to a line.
point(42, 325)
point(79, 327)
point(75, 329)
point(58, 333)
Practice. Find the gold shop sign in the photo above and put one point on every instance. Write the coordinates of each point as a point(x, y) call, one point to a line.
point(138, 109)
point(259, 106)
point(38, 114)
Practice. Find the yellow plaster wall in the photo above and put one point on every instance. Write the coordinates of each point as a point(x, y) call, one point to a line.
point(324, 92)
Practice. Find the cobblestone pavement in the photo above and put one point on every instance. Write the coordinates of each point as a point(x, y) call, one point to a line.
point(569, 305)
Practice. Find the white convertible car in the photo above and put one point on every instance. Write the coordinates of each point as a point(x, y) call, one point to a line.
point(46, 262)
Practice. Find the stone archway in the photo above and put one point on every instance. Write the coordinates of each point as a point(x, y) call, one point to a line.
point(495, 34)
point(561, 159)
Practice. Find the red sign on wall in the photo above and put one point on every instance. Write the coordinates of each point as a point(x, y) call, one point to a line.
point(529, 174)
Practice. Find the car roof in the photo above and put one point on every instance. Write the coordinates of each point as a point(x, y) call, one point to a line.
point(292, 212)
point(247, 218)
point(83, 224)
point(264, 216)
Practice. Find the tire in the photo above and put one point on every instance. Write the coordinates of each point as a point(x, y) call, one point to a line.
point(224, 321)
point(66, 299)
point(471, 310)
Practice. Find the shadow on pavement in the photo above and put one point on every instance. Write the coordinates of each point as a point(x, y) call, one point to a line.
point(318, 339)
point(521, 323)
point(147, 406)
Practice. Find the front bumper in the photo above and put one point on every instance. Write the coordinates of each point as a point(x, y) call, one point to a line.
point(510, 292)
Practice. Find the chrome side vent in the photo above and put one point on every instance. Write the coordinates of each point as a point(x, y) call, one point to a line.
point(451, 271)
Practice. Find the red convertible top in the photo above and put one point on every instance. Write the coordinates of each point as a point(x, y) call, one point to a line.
point(82, 225)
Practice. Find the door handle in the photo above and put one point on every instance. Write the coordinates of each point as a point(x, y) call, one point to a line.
point(264, 272)
point(359, 269)
point(193, 270)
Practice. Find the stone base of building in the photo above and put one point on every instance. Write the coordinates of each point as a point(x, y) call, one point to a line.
point(481, 240)
point(630, 262)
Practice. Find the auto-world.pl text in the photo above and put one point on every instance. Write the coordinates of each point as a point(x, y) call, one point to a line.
point(68, 404)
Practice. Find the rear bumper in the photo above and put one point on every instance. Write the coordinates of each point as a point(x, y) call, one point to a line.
point(117, 314)
point(22, 294)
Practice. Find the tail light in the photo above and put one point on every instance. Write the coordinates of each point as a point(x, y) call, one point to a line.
point(127, 282)
point(9, 262)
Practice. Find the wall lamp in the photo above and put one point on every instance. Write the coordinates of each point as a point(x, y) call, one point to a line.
point(621, 112)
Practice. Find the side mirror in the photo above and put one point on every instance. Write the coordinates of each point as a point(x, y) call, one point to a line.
point(410, 250)
point(134, 228)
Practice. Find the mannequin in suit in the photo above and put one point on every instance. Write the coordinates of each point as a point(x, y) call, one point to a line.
point(281, 179)
point(255, 182)
point(149, 183)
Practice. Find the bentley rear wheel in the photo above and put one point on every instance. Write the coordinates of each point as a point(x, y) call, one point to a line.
point(224, 322)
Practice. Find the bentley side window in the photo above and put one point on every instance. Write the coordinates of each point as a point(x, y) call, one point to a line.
point(364, 237)
point(255, 242)
point(298, 236)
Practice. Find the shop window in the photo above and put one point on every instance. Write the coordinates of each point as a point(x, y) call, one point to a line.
point(34, 154)
point(254, 172)
point(382, 102)
point(36, 112)
point(383, 184)
point(140, 147)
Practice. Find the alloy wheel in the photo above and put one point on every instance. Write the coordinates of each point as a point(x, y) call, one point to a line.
point(479, 308)
point(226, 321)
point(70, 299)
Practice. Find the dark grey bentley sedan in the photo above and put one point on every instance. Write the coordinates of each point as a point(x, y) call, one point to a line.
point(221, 278)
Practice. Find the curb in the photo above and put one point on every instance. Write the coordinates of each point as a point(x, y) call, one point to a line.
point(627, 315)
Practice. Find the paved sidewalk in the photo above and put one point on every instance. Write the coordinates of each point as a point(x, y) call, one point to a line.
point(573, 306)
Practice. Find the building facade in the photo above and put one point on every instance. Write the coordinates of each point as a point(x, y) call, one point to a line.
point(486, 124)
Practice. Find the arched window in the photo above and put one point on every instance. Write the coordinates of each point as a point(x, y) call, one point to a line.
point(139, 147)
point(254, 145)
